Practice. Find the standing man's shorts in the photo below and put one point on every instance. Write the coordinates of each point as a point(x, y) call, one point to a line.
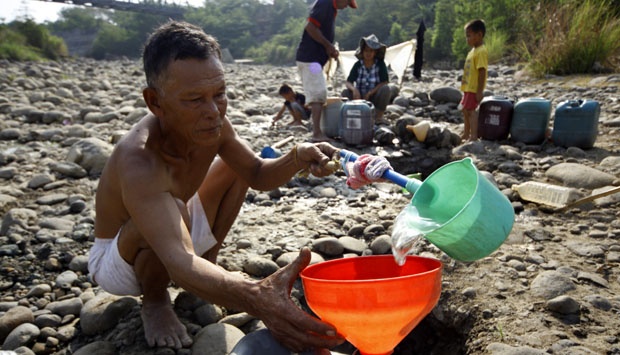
point(313, 81)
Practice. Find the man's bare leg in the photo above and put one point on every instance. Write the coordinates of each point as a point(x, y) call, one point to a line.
point(222, 194)
point(379, 119)
point(466, 125)
point(473, 122)
point(317, 135)
point(161, 325)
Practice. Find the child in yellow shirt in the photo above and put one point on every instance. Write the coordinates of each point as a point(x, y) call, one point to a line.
point(474, 78)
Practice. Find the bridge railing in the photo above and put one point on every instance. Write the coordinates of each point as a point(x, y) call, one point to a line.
point(172, 10)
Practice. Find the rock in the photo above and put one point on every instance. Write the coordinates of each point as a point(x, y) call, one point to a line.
point(353, 245)
point(65, 307)
point(13, 318)
point(381, 245)
point(23, 335)
point(97, 348)
point(446, 94)
point(91, 154)
point(580, 176)
point(504, 349)
point(218, 338)
point(18, 216)
point(563, 304)
point(258, 266)
point(104, 312)
point(550, 284)
point(328, 246)
point(208, 314)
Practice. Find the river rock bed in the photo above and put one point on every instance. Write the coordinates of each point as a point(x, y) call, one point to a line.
point(552, 287)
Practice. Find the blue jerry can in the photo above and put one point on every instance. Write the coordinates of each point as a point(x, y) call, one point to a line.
point(530, 119)
point(576, 123)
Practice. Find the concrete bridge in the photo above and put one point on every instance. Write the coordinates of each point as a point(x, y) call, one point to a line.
point(158, 7)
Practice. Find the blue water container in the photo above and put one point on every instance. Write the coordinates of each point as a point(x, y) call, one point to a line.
point(530, 119)
point(576, 123)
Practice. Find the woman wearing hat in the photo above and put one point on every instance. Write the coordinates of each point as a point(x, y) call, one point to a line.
point(368, 79)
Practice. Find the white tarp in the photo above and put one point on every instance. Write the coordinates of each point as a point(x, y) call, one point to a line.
point(398, 57)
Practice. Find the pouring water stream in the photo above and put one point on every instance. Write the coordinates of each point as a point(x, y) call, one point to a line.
point(409, 226)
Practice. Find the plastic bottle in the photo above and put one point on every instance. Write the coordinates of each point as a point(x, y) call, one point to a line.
point(546, 194)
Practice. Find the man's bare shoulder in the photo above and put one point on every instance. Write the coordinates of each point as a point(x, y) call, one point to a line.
point(134, 153)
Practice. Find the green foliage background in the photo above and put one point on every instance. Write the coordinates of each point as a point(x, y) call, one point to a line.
point(561, 36)
point(26, 40)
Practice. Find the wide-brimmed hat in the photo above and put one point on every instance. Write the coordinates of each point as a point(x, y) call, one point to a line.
point(373, 42)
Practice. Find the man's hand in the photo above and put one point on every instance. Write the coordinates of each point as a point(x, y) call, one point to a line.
point(316, 156)
point(292, 327)
point(356, 94)
point(332, 52)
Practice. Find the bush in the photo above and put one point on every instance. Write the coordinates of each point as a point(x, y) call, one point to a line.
point(13, 45)
point(576, 36)
point(25, 40)
point(495, 41)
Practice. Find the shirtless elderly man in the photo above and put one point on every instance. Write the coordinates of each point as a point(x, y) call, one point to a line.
point(165, 202)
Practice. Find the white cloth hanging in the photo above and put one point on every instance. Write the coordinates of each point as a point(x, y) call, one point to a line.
point(398, 57)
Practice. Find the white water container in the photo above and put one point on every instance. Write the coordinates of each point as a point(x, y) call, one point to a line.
point(330, 117)
point(357, 120)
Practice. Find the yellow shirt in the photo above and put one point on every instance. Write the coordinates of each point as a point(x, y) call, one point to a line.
point(477, 58)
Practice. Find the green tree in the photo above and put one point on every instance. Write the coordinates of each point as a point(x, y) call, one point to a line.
point(281, 49)
point(14, 46)
point(112, 41)
point(442, 32)
point(77, 18)
point(40, 39)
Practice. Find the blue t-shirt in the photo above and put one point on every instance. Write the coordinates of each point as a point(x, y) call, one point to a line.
point(323, 15)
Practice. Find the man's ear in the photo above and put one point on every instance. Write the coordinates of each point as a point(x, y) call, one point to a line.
point(151, 97)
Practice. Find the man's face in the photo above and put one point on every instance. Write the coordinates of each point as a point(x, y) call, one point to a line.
point(192, 98)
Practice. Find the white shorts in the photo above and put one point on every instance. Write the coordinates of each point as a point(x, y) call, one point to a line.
point(313, 82)
point(116, 276)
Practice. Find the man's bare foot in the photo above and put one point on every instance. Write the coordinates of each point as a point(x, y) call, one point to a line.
point(162, 328)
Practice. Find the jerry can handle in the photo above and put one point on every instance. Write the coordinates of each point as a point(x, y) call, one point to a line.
point(575, 103)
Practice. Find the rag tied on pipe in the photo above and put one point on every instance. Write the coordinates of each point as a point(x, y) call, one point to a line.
point(365, 170)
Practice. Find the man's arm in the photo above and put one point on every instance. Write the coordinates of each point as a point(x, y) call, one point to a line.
point(374, 90)
point(317, 35)
point(267, 174)
point(482, 79)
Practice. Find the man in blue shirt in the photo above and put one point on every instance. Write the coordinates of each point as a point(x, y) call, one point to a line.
point(315, 48)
